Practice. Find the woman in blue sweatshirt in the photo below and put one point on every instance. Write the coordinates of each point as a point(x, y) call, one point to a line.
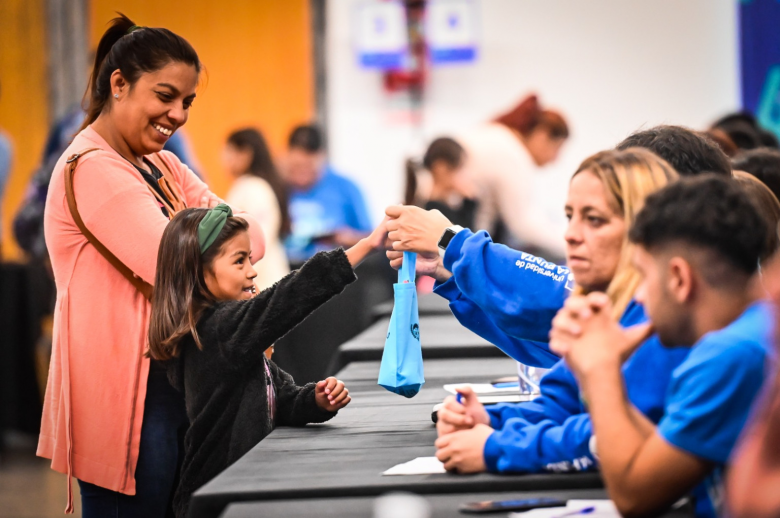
point(510, 298)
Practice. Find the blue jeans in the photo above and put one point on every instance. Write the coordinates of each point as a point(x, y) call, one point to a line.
point(161, 451)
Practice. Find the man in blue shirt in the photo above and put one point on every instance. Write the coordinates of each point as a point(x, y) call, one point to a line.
point(327, 209)
point(698, 242)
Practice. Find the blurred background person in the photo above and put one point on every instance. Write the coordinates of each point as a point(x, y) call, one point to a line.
point(260, 191)
point(438, 182)
point(764, 164)
point(744, 132)
point(5, 165)
point(503, 155)
point(327, 209)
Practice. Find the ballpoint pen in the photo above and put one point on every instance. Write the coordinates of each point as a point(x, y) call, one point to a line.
point(586, 510)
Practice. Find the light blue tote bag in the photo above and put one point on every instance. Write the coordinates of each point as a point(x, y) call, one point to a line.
point(402, 365)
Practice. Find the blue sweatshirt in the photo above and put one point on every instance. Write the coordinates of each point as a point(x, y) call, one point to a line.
point(510, 298)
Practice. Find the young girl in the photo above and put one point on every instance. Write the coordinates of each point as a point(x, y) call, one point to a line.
point(212, 327)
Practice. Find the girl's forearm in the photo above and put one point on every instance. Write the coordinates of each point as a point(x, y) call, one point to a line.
point(357, 253)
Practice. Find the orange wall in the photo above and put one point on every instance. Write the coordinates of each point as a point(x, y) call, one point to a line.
point(258, 60)
point(23, 99)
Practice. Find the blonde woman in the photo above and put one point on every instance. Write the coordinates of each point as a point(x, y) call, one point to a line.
point(511, 297)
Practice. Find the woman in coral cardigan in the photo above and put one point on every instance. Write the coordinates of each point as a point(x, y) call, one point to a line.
point(110, 417)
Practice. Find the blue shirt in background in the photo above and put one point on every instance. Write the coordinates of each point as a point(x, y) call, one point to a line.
point(332, 204)
point(711, 394)
point(6, 153)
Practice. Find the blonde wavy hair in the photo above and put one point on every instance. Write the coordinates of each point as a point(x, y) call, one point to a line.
point(629, 177)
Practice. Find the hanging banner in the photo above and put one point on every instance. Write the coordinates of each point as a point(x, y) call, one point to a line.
point(451, 30)
point(381, 36)
point(760, 60)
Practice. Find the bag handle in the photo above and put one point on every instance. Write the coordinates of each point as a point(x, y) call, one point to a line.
point(407, 271)
point(70, 169)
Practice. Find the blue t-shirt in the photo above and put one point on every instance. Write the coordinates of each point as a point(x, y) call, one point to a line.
point(6, 153)
point(331, 204)
point(711, 394)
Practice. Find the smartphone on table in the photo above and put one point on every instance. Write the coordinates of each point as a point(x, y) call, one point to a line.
point(505, 506)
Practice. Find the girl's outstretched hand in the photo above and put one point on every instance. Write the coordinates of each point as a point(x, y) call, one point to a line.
point(331, 394)
point(366, 245)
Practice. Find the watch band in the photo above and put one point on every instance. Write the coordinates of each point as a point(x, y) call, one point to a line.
point(446, 237)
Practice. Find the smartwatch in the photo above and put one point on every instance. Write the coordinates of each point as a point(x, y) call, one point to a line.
point(446, 237)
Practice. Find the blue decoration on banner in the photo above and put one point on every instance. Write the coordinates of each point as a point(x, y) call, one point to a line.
point(768, 112)
point(759, 22)
point(453, 55)
point(384, 61)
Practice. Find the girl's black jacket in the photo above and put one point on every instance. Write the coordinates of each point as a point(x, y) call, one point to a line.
point(225, 384)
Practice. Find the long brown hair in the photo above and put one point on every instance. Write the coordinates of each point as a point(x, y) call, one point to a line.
point(262, 166)
point(133, 51)
point(629, 177)
point(180, 292)
point(529, 116)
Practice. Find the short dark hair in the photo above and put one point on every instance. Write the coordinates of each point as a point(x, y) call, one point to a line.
point(689, 152)
point(709, 212)
point(307, 137)
point(745, 131)
point(443, 149)
point(764, 164)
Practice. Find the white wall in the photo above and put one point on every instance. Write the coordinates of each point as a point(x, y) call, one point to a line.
point(610, 66)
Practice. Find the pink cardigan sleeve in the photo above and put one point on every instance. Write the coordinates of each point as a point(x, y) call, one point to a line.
point(117, 207)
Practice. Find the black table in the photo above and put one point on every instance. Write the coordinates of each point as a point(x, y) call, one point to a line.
point(345, 457)
point(437, 372)
point(442, 336)
point(428, 304)
point(25, 295)
point(442, 506)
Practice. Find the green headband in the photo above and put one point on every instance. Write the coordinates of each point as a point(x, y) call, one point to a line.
point(134, 28)
point(211, 225)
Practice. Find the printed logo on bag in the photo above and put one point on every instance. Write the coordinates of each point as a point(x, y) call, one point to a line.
point(416, 331)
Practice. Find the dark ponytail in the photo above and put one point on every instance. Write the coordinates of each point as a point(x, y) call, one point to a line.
point(410, 192)
point(133, 51)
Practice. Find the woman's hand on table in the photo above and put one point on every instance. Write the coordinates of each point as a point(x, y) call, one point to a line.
point(331, 394)
point(414, 229)
point(454, 416)
point(427, 264)
point(463, 451)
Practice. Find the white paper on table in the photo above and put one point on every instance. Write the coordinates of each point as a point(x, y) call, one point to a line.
point(603, 509)
point(418, 466)
point(482, 388)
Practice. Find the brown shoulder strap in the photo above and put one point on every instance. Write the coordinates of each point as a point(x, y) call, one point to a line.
point(169, 186)
point(70, 169)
